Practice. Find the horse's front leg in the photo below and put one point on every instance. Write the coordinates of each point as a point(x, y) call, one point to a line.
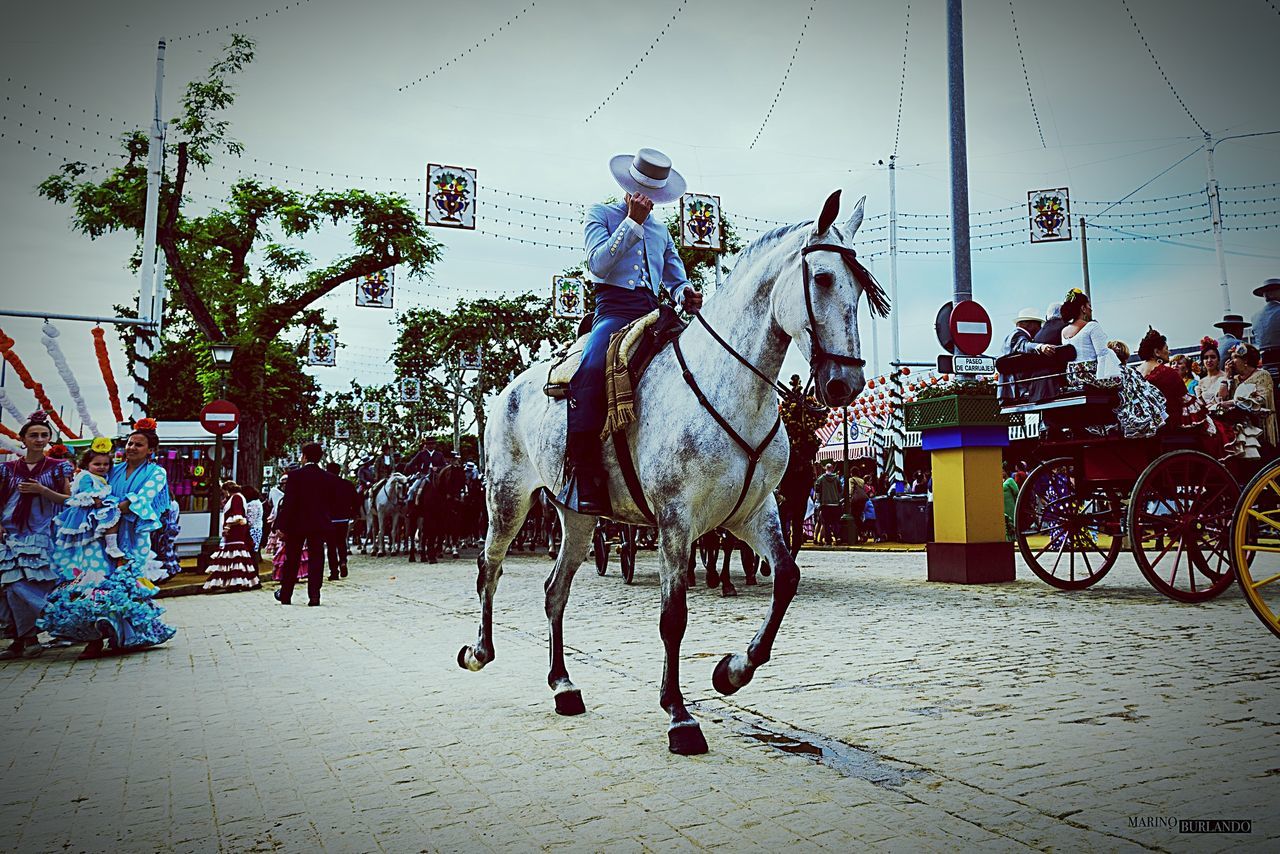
point(684, 736)
point(763, 533)
point(573, 548)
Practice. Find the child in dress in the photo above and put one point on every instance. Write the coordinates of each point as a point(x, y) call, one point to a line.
point(103, 600)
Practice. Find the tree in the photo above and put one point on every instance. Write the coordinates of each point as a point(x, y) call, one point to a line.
point(237, 278)
point(339, 421)
point(508, 332)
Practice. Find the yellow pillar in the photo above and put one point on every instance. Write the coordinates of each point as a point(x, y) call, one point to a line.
point(968, 505)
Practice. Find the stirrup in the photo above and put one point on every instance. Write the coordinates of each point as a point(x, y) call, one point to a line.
point(570, 496)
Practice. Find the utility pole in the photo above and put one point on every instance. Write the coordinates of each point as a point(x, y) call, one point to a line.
point(1215, 215)
point(961, 263)
point(147, 275)
point(1084, 259)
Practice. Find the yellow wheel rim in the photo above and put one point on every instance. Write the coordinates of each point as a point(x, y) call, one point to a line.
point(1255, 546)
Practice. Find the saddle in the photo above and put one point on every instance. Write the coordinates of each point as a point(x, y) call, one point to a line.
point(636, 344)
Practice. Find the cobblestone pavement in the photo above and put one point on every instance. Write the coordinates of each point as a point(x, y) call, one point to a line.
point(896, 714)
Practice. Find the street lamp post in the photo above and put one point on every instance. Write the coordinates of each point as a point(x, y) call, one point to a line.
point(1215, 208)
point(846, 520)
point(222, 355)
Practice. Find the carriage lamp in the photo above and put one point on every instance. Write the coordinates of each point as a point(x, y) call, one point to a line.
point(222, 353)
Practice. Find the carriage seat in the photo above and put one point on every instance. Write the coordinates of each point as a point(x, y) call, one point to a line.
point(641, 340)
point(1040, 376)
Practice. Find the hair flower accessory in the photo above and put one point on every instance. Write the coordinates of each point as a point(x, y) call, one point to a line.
point(38, 417)
point(145, 424)
point(101, 445)
point(1207, 341)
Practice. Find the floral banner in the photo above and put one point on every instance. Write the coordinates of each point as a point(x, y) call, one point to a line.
point(376, 290)
point(700, 222)
point(567, 297)
point(470, 360)
point(451, 196)
point(410, 390)
point(371, 411)
point(341, 430)
point(323, 349)
point(1050, 215)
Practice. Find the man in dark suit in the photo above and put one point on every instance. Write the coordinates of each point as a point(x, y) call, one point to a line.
point(305, 518)
point(346, 504)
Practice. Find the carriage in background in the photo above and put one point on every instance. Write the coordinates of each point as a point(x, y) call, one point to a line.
point(1097, 493)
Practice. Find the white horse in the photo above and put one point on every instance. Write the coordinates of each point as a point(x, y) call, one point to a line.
point(384, 512)
point(799, 282)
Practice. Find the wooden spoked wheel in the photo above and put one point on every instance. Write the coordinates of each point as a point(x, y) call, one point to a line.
point(1179, 515)
point(627, 552)
point(600, 547)
point(1255, 545)
point(1068, 534)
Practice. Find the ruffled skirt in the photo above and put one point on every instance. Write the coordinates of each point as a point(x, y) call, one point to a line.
point(232, 568)
point(105, 601)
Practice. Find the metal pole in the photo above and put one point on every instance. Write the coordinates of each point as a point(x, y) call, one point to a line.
point(1084, 259)
point(44, 315)
point(1215, 214)
point(897, 429)
point(961, 266)
point(161, 293)
point(846, 518)
point(716, 263)
point(147, 281)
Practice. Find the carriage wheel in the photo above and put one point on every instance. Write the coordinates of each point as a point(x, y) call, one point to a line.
point(1070, 538)
point(1179, 516)
point(1255, 546)
point(600, 546)
point(627, 552)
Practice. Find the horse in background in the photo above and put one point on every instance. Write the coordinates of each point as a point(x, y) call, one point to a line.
point(384, 513)
point(435, 514)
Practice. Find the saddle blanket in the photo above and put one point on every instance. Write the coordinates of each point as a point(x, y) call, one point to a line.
point(562, 371)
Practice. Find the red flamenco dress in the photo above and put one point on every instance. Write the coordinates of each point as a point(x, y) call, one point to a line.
point(232, 566)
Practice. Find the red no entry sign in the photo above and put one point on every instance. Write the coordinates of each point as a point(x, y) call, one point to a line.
point(970, 328)
point(220, 417)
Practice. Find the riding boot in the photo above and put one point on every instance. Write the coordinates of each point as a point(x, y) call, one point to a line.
point(586, 489)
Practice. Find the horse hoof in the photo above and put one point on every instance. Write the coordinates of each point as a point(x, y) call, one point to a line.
point(764, 568)
point(720, 677)
point(468, 661)
point(751, 581)
point(686, 740)
point(570, 703)
point(729, 591)
point(713, 579)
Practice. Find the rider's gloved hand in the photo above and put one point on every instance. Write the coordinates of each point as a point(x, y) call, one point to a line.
point(691, 300)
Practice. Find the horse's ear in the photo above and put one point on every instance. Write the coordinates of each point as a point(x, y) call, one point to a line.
point(855, 221)
point(829, 212)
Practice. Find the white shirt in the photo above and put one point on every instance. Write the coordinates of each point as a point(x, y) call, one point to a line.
point(1091, 345)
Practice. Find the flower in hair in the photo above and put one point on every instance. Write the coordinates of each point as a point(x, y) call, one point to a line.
point(38, 417)
point(1207, 341)
point(101, 445)
point(144, 424)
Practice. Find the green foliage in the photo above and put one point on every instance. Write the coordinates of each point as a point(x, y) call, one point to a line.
point(802, 422)
point(962, 386)
point(401, 425)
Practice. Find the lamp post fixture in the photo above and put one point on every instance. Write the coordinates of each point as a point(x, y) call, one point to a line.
point(223, 353)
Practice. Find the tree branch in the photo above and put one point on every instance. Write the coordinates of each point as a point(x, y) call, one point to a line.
point(276, 317)
point(166, 235)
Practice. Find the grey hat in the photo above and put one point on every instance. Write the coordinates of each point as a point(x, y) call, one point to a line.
point(648, 171)
point(1267, 286)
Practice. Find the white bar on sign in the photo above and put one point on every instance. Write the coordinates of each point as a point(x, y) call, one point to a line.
point(971, 327)
point(219, 416)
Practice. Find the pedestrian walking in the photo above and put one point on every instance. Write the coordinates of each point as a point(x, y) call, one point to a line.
point(346, 504)
point(233, 566)
point(305, 519)
point(829, 491)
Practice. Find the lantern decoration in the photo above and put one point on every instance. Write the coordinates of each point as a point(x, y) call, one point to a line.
point(376, 290)
point(905, 370)
point(470, 360)
point(322, 349)
point(700, 222)
point(567, 298)
point(371, 411)
point(341, 430)
point(451, 196)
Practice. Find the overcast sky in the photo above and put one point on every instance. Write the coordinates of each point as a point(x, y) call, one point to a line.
point(540, 107)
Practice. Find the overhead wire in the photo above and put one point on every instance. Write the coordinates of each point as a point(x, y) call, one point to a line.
point(902, 82)
point(652, 45)
point(433, 72)
point(210, 31)
point(804, 28)
point(1025, 76)
point(1160, 68)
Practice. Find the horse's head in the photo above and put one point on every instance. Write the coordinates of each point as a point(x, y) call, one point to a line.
point(818, 306)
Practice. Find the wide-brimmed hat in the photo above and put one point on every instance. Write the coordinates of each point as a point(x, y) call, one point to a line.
point(648, 171)
point(1232, 320)
point(1028, 314)
point(1268, 285)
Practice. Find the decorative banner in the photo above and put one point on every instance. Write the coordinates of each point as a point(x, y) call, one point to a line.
point(567, 298)
point(49, 337)
point(104, 365)
point(700, 222)
point(268, 473)
point(451, 196)
point(410, 390)
point(376, 290)
point(371, 411)
point(1050, 214)
point(470, 360)
point(341, 429)
point(6, 347)
point(323, 349)
point(12, 408)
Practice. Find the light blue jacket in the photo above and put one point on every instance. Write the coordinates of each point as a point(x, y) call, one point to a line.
point(616, 255)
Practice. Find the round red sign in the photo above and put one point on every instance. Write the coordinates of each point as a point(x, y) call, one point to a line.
point(970, 328)
point(220, 417)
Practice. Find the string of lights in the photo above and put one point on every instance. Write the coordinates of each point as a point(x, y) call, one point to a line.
point(1160, 68)
point(1251, 186)
point(459, 57)
point(66, 105)
point(1026, 76)
point(804, 28)
point(902, 82)
point(652, 45)
point(198, 33)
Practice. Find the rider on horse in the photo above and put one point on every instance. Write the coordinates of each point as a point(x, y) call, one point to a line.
point(430, 457)
point(630, 255)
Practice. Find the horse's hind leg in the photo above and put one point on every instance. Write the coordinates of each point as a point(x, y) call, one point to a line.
point(763, 533)
point(684, 736)
point(576, 539)
point(508, 505)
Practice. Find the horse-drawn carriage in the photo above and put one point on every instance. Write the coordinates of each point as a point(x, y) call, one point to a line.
point(1164, 498)
point(1255, 545)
